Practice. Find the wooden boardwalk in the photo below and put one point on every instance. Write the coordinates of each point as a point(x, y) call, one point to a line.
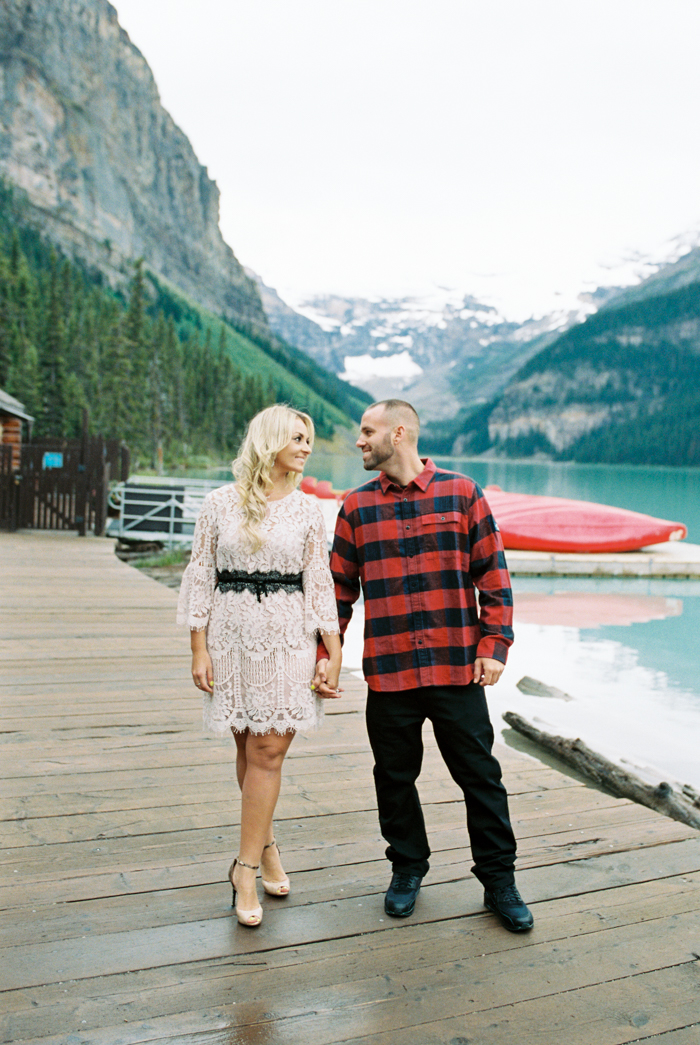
point(119, 820)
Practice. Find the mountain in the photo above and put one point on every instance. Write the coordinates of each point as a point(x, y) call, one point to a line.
point(108, 174)
point(173, 380)
point(117, 290)
point(453, 355)
point(621, 387)
point(613, 379)
point(445, 351)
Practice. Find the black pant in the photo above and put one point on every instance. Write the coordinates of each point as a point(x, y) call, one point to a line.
point(464, 734)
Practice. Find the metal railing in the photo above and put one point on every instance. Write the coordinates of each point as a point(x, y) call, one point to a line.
point(159, 510)
point(164, 510)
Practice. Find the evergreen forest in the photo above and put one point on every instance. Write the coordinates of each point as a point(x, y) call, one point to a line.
point(167, 377)
point(640, 362)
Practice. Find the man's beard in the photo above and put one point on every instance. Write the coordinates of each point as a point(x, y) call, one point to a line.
point(379, 455)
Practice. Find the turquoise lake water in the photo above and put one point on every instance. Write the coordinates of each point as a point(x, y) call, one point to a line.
point(668, 493)
point(626, 651)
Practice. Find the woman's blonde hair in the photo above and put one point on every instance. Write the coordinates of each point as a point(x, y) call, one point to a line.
point(268, 433)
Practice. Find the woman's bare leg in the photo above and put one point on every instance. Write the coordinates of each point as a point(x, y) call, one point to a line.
point(273, 866)
point(260, 766)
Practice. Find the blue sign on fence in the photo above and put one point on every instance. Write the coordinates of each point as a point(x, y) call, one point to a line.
point(52, 460)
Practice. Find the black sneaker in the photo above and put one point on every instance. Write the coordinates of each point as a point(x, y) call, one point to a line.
point(401, 895)
point(506, 902)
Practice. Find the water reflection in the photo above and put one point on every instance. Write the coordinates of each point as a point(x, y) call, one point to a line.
point(592, 609)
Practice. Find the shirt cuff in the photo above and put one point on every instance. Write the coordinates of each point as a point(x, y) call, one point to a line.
point(493, 647)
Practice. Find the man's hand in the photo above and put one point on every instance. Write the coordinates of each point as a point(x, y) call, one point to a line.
point(487, 671)
point(320, 683)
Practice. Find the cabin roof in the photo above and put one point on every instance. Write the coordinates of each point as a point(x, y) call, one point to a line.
point(10, 405)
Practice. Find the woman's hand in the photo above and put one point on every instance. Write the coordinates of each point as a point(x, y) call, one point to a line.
point(325, 683)
point(202, 671)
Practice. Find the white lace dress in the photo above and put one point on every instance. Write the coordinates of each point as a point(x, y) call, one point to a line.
point(263, 651)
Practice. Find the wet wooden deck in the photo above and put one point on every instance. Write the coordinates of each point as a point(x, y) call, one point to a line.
point(119, 820)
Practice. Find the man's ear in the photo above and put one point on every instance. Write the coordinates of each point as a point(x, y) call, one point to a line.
point(399, 433)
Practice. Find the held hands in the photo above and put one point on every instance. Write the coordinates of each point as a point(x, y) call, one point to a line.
point(487, 671)
point(325, 683)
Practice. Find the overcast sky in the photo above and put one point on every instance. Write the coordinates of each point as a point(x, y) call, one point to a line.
point(507, 148)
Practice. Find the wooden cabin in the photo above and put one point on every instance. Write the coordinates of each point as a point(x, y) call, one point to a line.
point(12, 414)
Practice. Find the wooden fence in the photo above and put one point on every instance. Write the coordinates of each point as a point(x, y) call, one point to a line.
point(62, 484)
point(8, 490)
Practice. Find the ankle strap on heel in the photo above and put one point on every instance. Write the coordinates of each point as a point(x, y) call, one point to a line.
point(251, 867)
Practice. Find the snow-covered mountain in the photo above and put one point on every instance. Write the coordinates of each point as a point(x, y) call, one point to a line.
point(445, 350)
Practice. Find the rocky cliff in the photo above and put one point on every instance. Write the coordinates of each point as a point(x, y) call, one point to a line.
point(108, 174)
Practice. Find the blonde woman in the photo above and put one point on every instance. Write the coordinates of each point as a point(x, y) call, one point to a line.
point(256, 595)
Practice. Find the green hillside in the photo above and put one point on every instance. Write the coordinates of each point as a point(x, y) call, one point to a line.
point(632, 369)
point(152, 367)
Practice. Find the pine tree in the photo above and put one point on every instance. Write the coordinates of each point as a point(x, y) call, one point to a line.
point(24, 379)
point(136, 343)
point(5, 322)
point(51, 418)
point(117, 406)
point(156, 393)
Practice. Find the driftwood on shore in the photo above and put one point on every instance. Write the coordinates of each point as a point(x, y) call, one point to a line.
point(683, 806)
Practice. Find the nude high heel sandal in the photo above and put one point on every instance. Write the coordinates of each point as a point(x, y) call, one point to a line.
point(276, 888)
point(249, 918)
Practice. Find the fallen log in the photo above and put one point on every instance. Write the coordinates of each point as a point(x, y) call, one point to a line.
point(683, 806)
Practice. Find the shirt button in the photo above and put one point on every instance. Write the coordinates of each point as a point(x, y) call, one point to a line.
point(408, 527)
point(405, 500)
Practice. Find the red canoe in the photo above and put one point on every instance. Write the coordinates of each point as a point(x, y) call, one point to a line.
point(554, 524)
point(321, 487)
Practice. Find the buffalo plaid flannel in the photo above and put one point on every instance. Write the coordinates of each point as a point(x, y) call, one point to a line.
point(418, 552)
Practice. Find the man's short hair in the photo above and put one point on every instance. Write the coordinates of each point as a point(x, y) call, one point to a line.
point(401, 412)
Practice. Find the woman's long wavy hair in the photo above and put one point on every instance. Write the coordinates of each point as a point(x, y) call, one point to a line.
point(268, 433)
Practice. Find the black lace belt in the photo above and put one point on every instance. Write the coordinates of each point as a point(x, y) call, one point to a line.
point(260, 583)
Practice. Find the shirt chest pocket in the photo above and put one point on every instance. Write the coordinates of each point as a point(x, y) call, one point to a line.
point(436, 522)
point(440, 537)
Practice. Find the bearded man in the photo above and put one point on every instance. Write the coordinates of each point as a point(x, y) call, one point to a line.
point(417, 541)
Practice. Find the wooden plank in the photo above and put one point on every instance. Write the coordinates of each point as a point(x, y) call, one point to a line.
point(328, 962)
point(63, 801)
point(140, 823)
point(175, 898)
point(285, 925)
point(635, 1009)
point(622, 996)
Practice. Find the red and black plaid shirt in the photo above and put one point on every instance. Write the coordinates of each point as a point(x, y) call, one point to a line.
point(418, 552)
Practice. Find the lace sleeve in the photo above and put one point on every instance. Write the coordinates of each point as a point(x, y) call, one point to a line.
point(320, 611)
point(199, 579)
